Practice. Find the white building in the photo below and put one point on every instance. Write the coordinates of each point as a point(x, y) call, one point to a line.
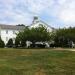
point(9, 31)
point(36, 23)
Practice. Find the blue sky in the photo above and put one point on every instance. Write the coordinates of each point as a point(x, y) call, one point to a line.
point(56, 13)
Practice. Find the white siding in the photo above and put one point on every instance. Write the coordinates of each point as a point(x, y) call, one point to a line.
point(41, 23)
point(8, 35)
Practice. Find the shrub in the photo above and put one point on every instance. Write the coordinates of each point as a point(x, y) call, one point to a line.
point(10, 43)
point(2, 45)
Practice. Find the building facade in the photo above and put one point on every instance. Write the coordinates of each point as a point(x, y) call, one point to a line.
point(10, 31)
point(37, 23)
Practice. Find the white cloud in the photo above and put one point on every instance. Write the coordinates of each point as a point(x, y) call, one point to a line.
point(10, 15)
point(21, 11)
point(68, 16)
point(60, 2)
point(67, 12)
point(16, 18)
point(38, 6)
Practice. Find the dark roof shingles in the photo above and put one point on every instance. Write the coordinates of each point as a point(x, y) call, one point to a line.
point(11, 27)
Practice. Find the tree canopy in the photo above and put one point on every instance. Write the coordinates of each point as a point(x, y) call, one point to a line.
point(38, 34)
point(65, 36)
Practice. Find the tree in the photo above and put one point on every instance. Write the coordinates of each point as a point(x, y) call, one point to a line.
point(10, 43)
point(21, 38)
point(64, 37)
point(2, 45)
point(17, 42)
point(39, 34)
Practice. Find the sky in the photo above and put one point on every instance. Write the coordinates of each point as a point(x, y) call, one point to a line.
point(56, 13)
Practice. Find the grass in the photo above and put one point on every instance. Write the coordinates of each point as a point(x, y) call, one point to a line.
point(37, 62)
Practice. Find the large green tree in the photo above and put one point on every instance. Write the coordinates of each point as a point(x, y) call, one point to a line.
point(64, 37)
point(38, 34)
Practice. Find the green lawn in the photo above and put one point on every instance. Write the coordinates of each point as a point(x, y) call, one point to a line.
point(36, 62)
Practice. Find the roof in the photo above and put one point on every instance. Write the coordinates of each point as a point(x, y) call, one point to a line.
point(47, 25)
point(43, 23)
point(11, 27)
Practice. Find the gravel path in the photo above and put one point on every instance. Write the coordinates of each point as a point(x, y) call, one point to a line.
point(69, 49)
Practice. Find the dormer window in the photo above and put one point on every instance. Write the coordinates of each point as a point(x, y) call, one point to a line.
point(6, 38)
point(13, 31)
point(6, 31)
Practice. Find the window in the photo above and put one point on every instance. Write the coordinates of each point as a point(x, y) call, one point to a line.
point(13, 32)
point(6, 31)
point(6, 38)
point(14, 40)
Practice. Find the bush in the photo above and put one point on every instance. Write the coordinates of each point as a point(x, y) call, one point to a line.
point(17, 42)
point(2, 45)
point(10, 43)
